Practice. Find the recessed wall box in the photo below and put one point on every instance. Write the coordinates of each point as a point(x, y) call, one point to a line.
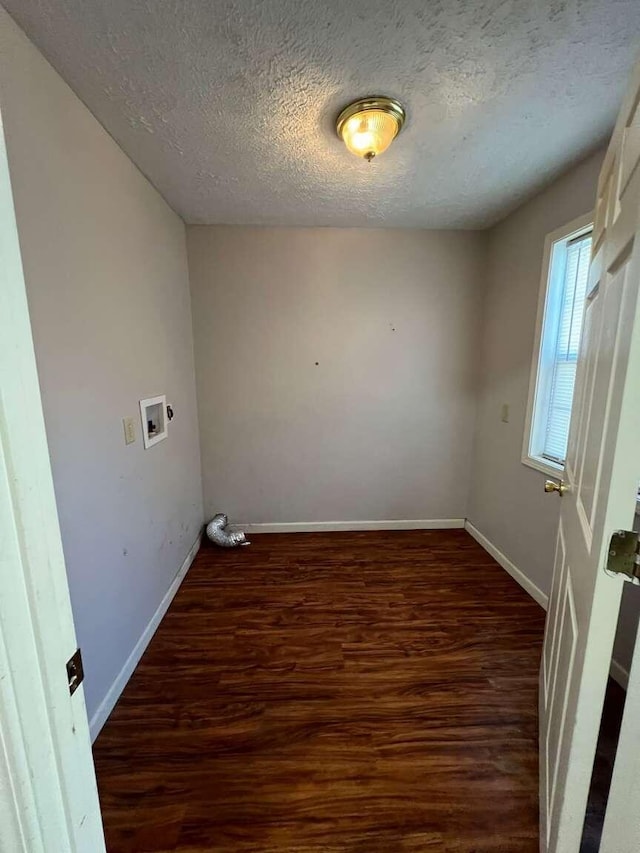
point(153, 412)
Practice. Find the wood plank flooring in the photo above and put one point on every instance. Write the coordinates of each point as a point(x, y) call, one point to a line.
point(335, 693)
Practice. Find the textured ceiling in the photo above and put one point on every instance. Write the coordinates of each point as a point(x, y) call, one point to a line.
point(228, 106)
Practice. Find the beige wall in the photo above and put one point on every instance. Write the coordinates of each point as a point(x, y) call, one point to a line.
point(107, 281)
point(381, 427)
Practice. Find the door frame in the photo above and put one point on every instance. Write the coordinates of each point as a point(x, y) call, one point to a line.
point(48, 792)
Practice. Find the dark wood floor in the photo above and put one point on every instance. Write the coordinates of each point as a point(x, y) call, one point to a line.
point(334, 693)
point(603, 767)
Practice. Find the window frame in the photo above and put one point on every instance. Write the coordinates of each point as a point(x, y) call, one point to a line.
point(576, 228)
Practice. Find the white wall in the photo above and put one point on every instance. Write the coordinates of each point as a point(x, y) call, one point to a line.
point(507, 503)
point(107, 280)
point(381, 427)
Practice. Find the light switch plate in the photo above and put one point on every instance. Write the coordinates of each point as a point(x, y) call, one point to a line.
point(129, 430)
point(504, 414)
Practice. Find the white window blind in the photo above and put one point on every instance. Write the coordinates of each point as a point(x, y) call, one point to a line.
point(567, 343)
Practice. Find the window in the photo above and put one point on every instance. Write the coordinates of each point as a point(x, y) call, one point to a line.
point(562, 298)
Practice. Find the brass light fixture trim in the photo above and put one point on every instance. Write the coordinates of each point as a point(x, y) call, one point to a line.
point(369, 125)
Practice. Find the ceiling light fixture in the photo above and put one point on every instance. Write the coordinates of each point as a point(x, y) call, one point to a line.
point(369, 126)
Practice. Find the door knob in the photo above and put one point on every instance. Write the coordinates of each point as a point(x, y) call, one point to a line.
point(552, 486)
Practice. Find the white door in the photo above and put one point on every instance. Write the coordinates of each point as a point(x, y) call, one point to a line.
point(602, 476)
point(48, 795)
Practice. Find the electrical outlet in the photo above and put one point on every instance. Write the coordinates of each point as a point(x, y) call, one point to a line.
point(504, 413)
point(129, 430)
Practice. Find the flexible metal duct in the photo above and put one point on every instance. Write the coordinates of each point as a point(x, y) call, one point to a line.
point(216, 531)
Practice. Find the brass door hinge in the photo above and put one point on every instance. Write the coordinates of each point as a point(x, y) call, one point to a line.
point(624, 555)
point(75, 671)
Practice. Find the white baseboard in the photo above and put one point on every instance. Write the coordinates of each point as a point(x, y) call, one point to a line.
point(619, 674)
point(535, 592)
point(328, 526)
point(617, 671)
point(107, 705)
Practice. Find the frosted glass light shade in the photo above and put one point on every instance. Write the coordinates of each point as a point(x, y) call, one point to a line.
point(368, 127)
